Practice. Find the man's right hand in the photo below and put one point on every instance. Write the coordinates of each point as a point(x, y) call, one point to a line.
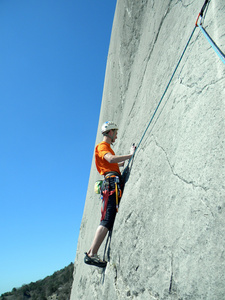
point(132, 149)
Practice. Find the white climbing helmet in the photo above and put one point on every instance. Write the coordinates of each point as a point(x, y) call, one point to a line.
point(109, 125)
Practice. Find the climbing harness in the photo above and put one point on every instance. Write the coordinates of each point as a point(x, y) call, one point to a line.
point(106, 193)
point(216, 49)
point(102, 187)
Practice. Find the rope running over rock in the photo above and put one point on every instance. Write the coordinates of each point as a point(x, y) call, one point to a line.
point(215, 47)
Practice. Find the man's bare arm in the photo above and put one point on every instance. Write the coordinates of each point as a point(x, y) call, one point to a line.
point(112, 159)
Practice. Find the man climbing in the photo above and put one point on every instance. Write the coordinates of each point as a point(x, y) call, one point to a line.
point(107, 164)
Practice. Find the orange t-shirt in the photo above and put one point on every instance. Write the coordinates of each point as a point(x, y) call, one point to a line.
point(102, 164)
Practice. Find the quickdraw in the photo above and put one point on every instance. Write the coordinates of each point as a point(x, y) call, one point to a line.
point(117, 200)
point(198, 23)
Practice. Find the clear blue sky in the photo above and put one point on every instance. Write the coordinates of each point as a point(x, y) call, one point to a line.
point(53, 57)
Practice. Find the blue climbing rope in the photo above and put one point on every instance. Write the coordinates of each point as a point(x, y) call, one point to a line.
point(214, 46)
point(198, 23)
point(164, 93)
point(212, 43)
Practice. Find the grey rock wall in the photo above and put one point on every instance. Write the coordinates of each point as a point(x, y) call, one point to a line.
point(169, 235)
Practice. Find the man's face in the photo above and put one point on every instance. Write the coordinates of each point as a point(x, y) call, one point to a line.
point(113, 134)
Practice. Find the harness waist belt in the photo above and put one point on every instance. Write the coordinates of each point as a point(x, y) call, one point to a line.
point(110, 174)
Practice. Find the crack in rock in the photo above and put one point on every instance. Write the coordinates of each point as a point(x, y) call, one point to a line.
point(150, 54)
point(177, 175)
point(171, 277)
point(186, 5)
point(195, 85)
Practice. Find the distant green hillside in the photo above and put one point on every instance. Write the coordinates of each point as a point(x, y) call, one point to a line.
point(54, 287)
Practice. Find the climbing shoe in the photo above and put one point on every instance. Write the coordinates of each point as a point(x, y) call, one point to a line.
point(94, 261)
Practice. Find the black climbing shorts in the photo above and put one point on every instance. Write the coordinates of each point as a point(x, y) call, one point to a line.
point(109, 206)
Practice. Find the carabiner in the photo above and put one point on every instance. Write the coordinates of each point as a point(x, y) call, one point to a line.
point(196, 23)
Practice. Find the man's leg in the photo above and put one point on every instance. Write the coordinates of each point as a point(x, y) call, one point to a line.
point(98, 239)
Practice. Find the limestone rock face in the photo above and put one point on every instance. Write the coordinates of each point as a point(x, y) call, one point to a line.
point(168, 240)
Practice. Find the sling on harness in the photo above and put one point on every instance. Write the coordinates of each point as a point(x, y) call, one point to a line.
point(117, 203)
